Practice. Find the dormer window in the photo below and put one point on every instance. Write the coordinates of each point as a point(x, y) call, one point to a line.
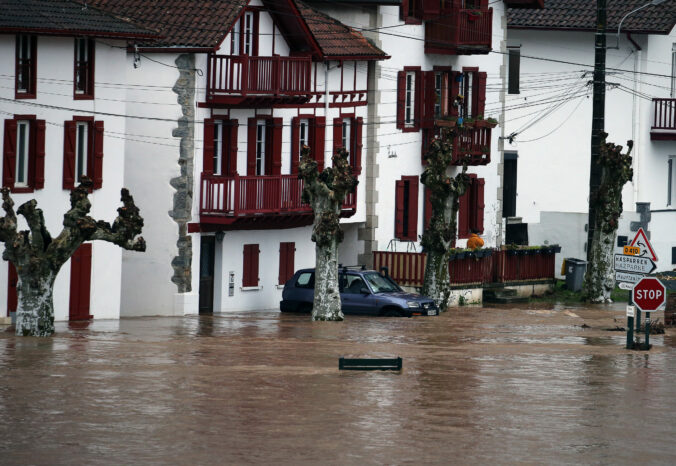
point(25, 77)
point(83, 76)
point(244, 35)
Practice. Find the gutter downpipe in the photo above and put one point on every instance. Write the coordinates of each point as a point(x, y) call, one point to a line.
point(326, 102)
point(636, 118)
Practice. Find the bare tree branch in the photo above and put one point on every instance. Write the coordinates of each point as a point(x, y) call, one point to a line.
point(40, 237)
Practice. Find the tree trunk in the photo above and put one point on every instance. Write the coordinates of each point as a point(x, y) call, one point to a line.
point(600, 276)
point(327, 302)
point(35, 307)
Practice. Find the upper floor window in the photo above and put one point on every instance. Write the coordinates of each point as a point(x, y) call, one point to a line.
point(303, 133)
point(408, 99)
point(673, 70)
point(347, 133)
point(260, 148)
point(26, 61)
point(466, 108)
point(83, 78)
point(409, 106)
point(24, 154)
point(244, 34)
point(82, 152)
point(264, 146)
point(307, 131)
point(82, 149)
point(220, 147)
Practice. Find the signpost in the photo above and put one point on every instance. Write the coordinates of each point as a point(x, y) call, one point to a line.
point(635, 264)
point(649, 295)
point(641, 240)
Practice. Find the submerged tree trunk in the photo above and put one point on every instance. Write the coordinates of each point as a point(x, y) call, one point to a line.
point(325, 192)
point(616, 170)
point(38, 257)
point(445, 193)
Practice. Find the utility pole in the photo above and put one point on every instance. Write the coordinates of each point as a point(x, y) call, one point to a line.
point(598, 117)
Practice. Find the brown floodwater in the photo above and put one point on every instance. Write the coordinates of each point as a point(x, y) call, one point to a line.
point(479, 386)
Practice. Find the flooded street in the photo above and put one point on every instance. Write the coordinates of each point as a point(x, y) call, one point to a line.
point(478, 386)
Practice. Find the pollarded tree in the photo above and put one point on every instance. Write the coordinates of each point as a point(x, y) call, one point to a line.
point(325, 192)
point(445, 192)
point(38, 257)
point(616, 170)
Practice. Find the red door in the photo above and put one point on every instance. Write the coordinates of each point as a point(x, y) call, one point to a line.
point(80, 283)
point(11, 288)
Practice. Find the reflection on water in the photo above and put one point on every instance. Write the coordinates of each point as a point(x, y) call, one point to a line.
point(500, 385)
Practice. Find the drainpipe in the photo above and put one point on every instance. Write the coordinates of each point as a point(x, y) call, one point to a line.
point(326, 100)
point(636, 118)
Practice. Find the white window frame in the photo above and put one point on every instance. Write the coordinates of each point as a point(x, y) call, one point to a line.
point(218, 147)
point(438, 92)
point(673, 70)
point(24, 54)
point(261, 129)
point(81, 149)
point(470, 91)
point(303, 134)
point(248, 29)
point(235, 38)
point(22, 153)
point(671, 181)
point(82, 56)
point(409, 99)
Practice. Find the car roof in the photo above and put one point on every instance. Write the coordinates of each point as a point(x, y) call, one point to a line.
point(341, 269)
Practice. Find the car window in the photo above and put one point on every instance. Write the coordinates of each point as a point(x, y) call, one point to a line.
point(306, 280)
point(380, 284)
point(353, 284)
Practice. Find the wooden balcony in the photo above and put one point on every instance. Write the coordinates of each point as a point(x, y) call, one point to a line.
point(473, 143)
point(257, 202)
point(664, 120)
point(463, 32)
point(244, 81)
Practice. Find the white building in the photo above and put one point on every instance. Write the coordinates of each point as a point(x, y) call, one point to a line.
point(60, 121)
point(547, 176)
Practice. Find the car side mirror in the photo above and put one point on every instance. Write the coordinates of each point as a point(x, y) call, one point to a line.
point(364, 290)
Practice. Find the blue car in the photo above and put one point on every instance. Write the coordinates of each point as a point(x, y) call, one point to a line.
point(362, 292)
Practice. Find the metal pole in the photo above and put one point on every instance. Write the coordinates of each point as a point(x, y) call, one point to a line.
point(647, 331)
point(598, 117)
point(638, 321)
point(630, 327)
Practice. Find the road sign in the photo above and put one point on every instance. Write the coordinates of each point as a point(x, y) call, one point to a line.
point(630, 311)
point(649, 294)
point(628, 277)
point(641, 240)
point(631, 251)
point(625, 286)
point(635, 264)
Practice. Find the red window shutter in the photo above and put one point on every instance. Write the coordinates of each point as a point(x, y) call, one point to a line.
point(250, 273)
point(479, 93)
point(208, 144)
point(286, 259)
point(428, 207)
point(38, 154)
point(430, 99)
point(358, 127)
point(412, 230)
point(296, 150)
point(9, 154)
point(401, 99)
point(318, 141)
point(251, 148)
point(12, 281)
point(418, 100)
point(255, 254)
point(233, 128)
point(277, 127)
point(455, 90)
point(478, 204)
point(463, 215)
point(254, 45)
point(97, 176)
point(337, 134)
point(399, 212)
point(68, 155)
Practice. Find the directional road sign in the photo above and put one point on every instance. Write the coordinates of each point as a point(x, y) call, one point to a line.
point(628, 277)
point(626, 286)
point(641, 241)
point(649, 294)
point(635, 264)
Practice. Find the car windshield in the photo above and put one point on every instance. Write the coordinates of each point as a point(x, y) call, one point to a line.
point(380, 284)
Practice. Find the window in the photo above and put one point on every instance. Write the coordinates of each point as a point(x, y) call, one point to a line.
point(82, 152)
point(471, 209)
point(406, 204)
point(25, 78)
point(411, 11)
point(83, 79)
point(304, 133)
point(309, 131)
point(409, 87)
point(673, 70)
point(286, 258)
point(220, 147)
point(471, 98)
point(466, 110)
point(234, 39)
point(24, 154)
point(514, 70)
point(670, 181)
point(244, 34)
point(306, 280)
point(247, 45)
point(438, 94)
point(264, 146)
point(347, 133)
point(250, 265)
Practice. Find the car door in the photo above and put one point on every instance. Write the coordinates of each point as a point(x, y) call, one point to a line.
point(354, 301)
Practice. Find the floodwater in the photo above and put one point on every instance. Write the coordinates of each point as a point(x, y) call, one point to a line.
point(479, 386)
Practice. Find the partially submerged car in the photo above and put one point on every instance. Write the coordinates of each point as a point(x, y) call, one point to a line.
point(362, 292)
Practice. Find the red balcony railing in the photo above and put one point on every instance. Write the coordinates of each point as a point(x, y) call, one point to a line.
point(664, 120)
point(474, 143)
point(464, 31)
point(255, 195)
point(242, 75)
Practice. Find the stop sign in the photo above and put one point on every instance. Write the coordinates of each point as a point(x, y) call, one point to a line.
point(649, 294)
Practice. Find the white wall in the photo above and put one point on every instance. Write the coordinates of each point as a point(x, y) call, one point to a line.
point(55, 90)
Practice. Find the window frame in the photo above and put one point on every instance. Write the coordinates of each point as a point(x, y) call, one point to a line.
point(218, 147)
point(30, 91)
point(410, 100)
point(673, 71)
point(670, 181)
point(261, 143)
point(82, 162)
point(28, 147)
point(406, 208)
point(87, 93)
point(35, 159)
point(416, 98)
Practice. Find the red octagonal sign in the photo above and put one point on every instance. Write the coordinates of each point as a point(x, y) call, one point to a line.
point(649, 294)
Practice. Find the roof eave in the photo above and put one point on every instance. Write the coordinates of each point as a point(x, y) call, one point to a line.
point(78, 32)
point(609, 31)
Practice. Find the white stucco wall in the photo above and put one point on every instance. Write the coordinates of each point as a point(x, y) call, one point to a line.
point(55, 104)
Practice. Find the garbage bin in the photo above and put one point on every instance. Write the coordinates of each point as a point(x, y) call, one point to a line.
point(575, 269)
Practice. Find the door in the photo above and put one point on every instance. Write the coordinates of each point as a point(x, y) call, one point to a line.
point(509, 186)
point(207, 257)
point(80, 283)
point(353, 300)
point(13, 278)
